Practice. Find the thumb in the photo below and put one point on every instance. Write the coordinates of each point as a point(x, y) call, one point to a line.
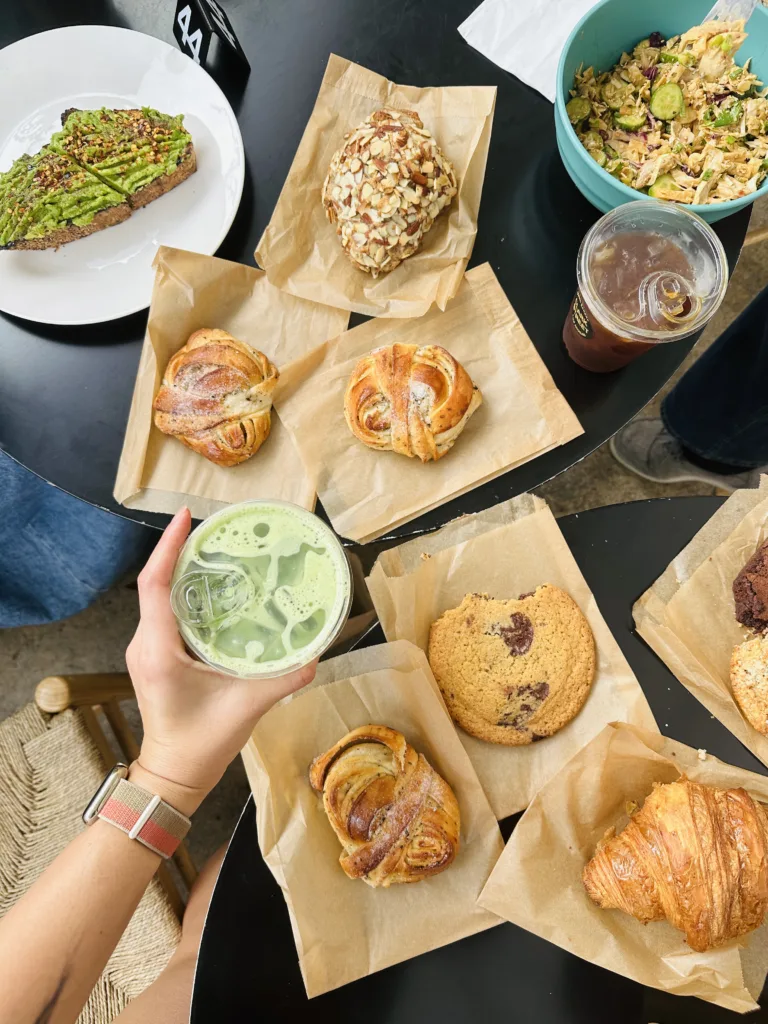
point(154, 580)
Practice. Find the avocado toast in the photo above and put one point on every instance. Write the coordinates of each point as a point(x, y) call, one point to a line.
point(47, 200)
point(141, 153)
point(102, 165)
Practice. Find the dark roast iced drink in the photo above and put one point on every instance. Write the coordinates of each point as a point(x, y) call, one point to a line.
point(648, 273)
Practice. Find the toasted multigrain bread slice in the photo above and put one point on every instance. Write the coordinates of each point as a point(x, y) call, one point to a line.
point(103, 219)
point(119, 211)
point(160, 186)
point(47, 200)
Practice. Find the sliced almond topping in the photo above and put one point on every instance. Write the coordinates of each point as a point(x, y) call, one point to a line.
point(384, 188)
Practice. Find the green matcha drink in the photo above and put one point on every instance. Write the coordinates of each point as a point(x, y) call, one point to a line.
point(261, 588)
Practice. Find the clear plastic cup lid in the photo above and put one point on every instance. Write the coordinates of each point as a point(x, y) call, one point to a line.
point(652, 270)
point(234, 608)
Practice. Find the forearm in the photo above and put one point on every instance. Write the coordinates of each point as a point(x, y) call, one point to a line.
point(55, 942)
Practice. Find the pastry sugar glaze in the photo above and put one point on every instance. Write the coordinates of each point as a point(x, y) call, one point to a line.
point(263, 588)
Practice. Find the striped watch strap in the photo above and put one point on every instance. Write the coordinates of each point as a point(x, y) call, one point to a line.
point(145, 817)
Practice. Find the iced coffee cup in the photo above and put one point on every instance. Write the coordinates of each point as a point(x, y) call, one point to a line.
point(261, 588)
point(648, 273)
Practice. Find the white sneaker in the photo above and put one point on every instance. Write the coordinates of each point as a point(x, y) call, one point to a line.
point(646, 448)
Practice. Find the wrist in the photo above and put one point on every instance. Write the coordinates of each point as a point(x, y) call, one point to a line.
point(181, 797)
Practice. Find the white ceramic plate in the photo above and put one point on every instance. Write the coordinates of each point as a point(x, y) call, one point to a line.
point(109, 274)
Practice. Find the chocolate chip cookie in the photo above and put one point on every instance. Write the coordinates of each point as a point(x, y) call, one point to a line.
point(513, 671)
point(749, 681)
point(750, 591)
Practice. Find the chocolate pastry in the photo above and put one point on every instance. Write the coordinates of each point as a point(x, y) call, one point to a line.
point(750, 591)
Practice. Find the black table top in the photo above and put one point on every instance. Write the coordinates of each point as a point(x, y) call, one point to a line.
point(65, 391)
point(248, 968)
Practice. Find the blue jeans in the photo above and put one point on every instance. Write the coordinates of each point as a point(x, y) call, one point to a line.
point(719, 410)
point(57, 553)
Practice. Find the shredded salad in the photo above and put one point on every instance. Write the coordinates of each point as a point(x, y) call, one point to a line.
point(677, 118)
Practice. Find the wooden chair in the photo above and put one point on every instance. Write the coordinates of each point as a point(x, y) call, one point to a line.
point(94, 693)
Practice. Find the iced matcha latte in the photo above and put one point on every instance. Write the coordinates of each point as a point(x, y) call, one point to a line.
point(261, 588)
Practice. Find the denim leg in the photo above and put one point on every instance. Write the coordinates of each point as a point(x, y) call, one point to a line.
point(719, 409)
point(57, 553)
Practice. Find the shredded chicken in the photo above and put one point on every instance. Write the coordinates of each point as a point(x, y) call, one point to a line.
point(714, 149)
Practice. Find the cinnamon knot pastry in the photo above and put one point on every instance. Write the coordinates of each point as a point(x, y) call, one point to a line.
point(409, 399)
point(384, 188)
point(216, 397)
point(695, 855)
point(396, 818)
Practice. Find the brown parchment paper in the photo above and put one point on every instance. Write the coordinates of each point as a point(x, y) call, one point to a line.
point(537, 885)
point(156, 472)
point(505, 551)
point(367, 492)
point(300, 250)
point(343, 928)
point(688, 615)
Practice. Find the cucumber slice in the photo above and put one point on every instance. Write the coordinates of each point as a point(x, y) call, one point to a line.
point(667, 102)
point(664, 182)
point(577, 109)
point(630, 122)
point(593, 143)
point(592, 140)
point(615, 92)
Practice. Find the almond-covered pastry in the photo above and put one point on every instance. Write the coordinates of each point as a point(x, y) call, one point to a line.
point(695, 855)
point(216, 397)
point(396, 818)
point(384, 189)
point(410, 399)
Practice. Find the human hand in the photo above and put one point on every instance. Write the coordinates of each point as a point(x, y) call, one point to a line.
point(196, 720)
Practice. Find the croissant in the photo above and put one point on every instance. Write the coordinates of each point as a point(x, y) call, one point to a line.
point(216, 397)
point(409, 399)
point(396, 818)
point(694, 855)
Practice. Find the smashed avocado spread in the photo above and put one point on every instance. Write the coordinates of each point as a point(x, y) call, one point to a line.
point(127, 149)
point(42, 193)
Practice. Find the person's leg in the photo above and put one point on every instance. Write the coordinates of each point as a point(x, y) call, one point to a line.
point(59, 553)
point(169, 998)
point(719, 409)
point(714, 423)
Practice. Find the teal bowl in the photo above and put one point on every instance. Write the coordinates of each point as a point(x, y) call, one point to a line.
point(599, 39)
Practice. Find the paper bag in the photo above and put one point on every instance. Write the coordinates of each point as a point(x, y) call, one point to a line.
point(505, 551)
point(688, 616)
point(537, 882)
point(300, 250)
point(157, 473)
point(343, 928)
point(366, 492)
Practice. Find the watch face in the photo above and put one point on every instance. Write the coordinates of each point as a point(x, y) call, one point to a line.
point(102, 794)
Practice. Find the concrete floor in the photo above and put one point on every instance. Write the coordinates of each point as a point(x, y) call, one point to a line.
point(95, 640)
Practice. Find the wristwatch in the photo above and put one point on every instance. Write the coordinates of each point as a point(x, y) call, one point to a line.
point(141, 815)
